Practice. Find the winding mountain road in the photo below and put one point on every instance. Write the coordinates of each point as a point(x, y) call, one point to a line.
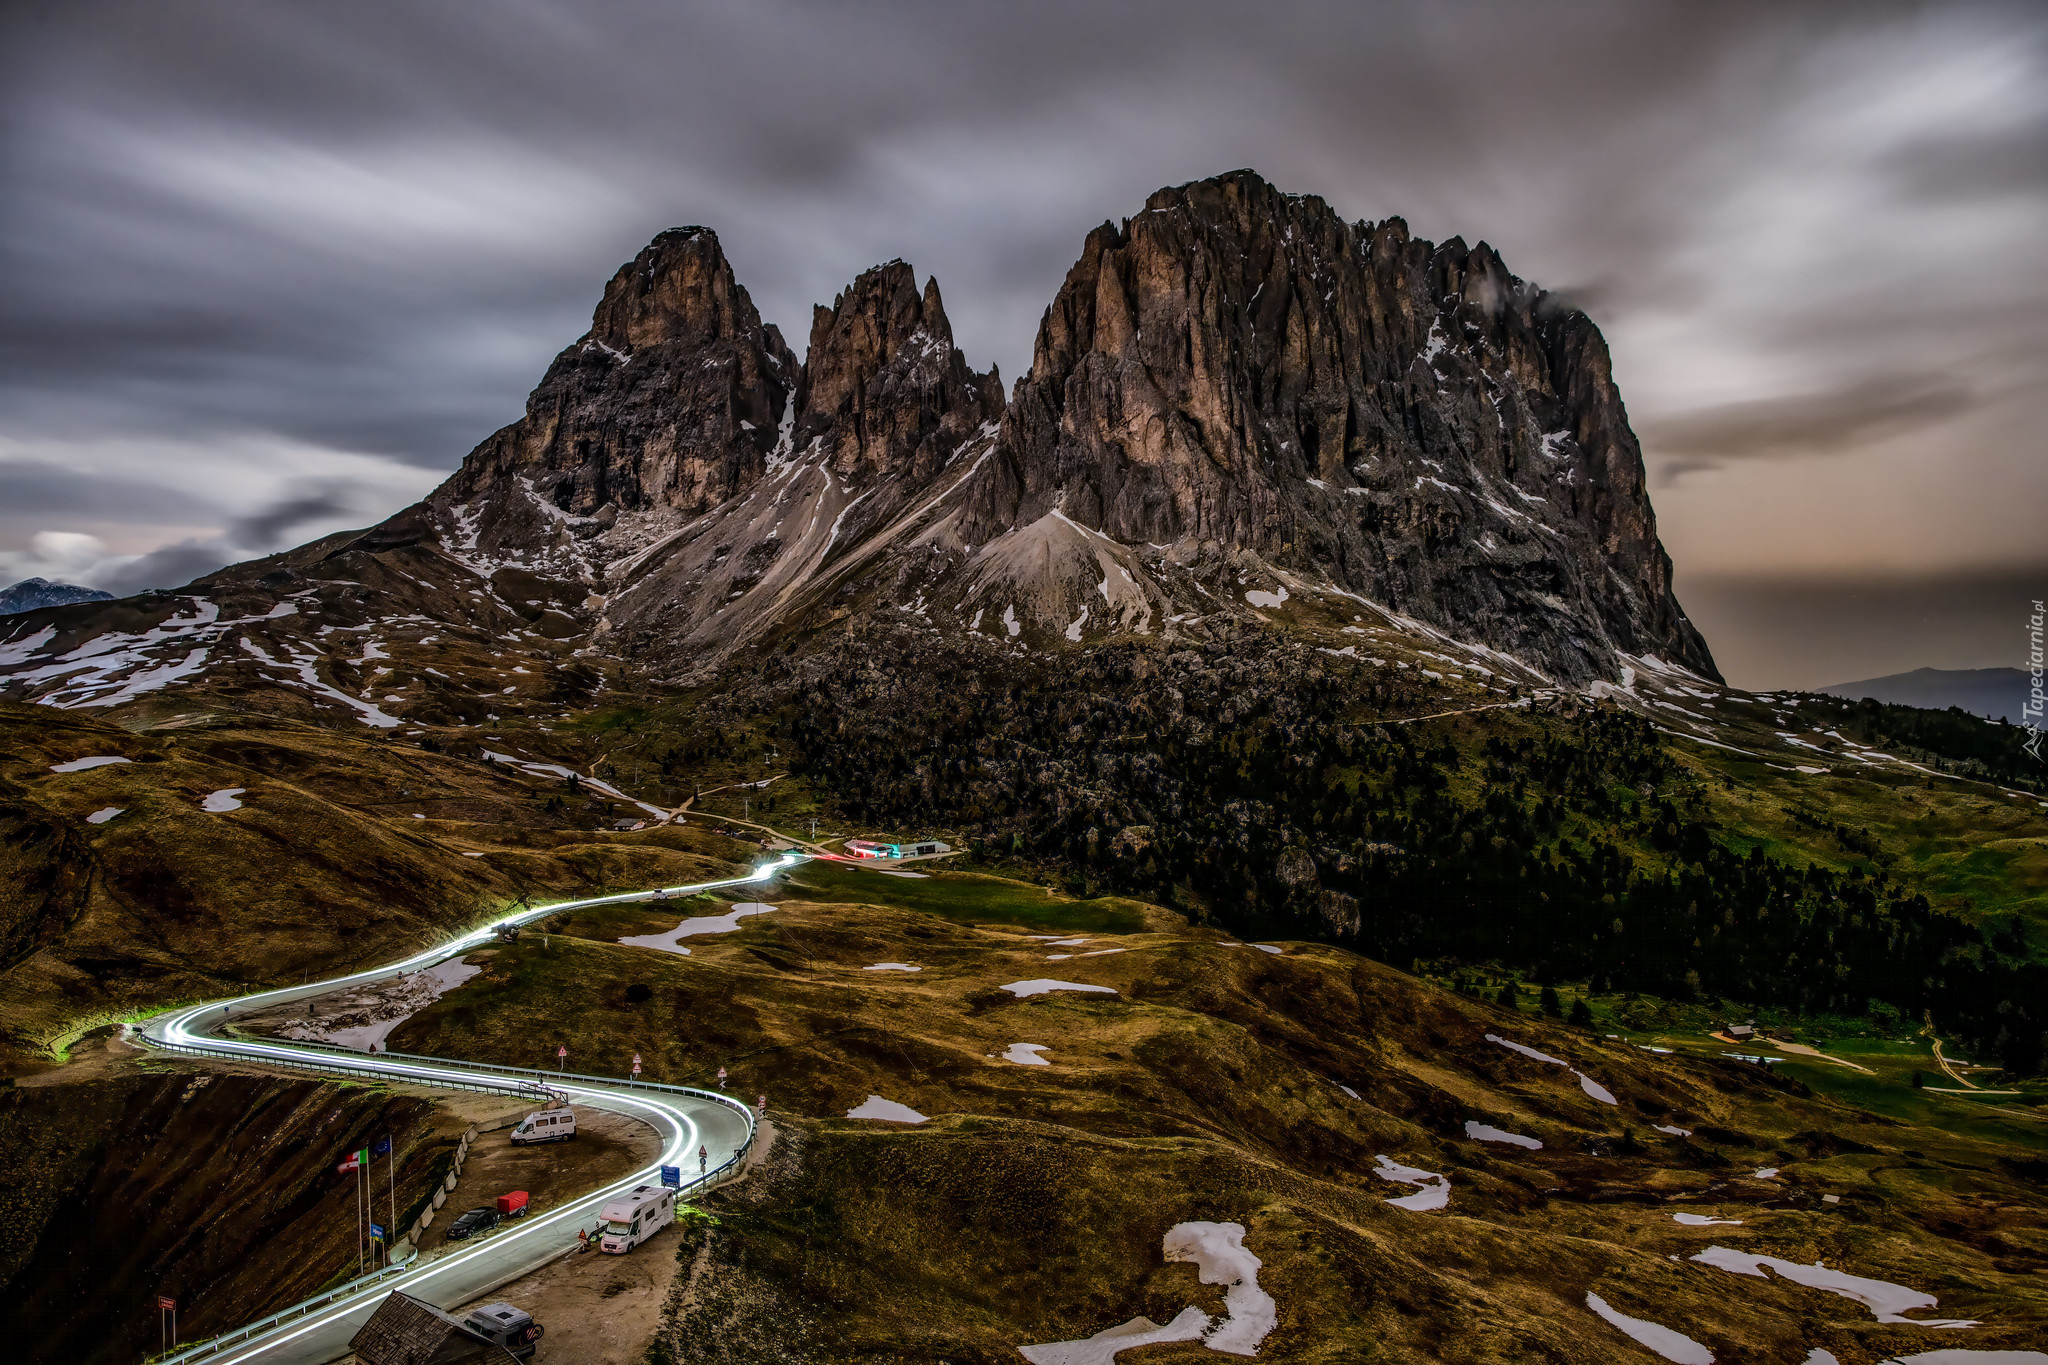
point(319, 1329)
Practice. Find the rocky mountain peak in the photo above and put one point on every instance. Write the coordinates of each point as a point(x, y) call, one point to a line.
point(679, 288)
point(884, 391)
point(669, 405)
point(1240, 368)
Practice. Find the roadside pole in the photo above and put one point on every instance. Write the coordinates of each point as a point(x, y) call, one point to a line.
point(361, 1251)
point(391, 1176)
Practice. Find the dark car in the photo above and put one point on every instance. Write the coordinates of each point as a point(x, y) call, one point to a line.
point(472, 1223)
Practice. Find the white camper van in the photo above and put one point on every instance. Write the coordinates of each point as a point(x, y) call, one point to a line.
point(556, 1123)
point(632, 1218)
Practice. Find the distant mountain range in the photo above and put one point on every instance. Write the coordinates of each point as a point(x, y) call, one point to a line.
point(32, 593)
point(1997, 693)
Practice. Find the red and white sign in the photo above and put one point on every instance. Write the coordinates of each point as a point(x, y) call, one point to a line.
point(562, 1051)
point(636, 1064)
point(165, 1305)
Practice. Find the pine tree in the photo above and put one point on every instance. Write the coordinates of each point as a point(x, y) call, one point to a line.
point(1509, 996)
point(1581, 1017)
point(1552, 1006)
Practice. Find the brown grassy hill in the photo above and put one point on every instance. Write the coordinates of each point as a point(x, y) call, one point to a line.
point(344, 851)
point(1212, 1085)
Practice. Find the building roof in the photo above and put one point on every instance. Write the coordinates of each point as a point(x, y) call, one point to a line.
point(406, 1331)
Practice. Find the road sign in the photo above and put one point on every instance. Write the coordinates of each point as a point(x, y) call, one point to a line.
point(165, 1305)
point(672, 1176)
point(636, 1061)
point(377, 1231)
point(562, 1051)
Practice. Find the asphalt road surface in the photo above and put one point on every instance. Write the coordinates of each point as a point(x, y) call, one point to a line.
point(685, 1120)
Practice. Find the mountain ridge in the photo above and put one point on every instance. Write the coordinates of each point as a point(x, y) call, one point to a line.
point(1997, 693)
point(1242, 412)
point(1352, 445)
point(32, 593)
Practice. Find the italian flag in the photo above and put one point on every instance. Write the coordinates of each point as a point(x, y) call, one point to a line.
point(356, 1161)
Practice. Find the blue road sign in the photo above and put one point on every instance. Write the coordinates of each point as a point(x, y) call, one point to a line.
point(377, 1231)
point(672, 1176)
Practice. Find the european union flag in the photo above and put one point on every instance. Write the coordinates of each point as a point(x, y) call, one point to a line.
point(381, 1146)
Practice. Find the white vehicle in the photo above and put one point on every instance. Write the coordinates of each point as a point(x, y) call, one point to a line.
point(632, 1218)
point(556, 1123)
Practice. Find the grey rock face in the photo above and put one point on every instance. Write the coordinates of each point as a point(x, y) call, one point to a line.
point(884, 393)
point(1239, 368)
point(669, 405)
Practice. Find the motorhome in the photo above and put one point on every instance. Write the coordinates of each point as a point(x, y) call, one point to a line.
point(632, 1218)
point(556, 1123)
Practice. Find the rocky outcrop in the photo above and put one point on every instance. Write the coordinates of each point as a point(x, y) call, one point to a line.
point(1237, 368)
point(669, 405)
point(882, 406)
point(884, 393)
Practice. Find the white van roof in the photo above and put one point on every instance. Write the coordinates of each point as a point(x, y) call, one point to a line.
point(622, 1209)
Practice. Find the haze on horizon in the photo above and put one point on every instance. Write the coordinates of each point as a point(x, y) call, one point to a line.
point(268, 272)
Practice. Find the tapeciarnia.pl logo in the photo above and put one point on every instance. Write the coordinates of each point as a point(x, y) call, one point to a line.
point(2037, 697)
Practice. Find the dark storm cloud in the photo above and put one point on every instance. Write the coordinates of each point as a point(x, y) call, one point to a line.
point(1808, 424)
point(171, 566)
point(265, 528)
point(2010, 162)
point(283, 230)
point(36, 490)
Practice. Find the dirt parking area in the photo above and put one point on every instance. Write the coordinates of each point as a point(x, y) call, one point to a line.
point(597, 1309)
point(606, 1147)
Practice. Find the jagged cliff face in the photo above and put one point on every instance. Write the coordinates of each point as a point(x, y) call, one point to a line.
point(1241, 410)
point(1236, 368)
point(669, 405)
point(884, 393)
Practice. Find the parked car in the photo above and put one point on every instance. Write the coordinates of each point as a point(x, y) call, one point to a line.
point(471, 1223)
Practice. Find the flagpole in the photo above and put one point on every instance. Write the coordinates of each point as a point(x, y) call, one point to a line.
point(391, 1174)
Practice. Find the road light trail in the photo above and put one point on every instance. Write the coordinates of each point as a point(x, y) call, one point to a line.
point(684, 1122)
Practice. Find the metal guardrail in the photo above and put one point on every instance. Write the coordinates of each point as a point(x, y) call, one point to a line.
point(329, 1057)
point(249, 1332)
point(532, 1094)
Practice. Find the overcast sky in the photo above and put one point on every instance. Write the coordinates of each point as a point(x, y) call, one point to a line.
point(268, 270)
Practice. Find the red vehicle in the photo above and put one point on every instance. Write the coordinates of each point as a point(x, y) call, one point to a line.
point(512, 1205)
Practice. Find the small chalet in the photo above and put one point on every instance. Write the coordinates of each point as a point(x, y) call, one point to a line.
point(406, 1331)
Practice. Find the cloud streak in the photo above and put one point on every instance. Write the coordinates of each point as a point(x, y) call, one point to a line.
point(1807, 424)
